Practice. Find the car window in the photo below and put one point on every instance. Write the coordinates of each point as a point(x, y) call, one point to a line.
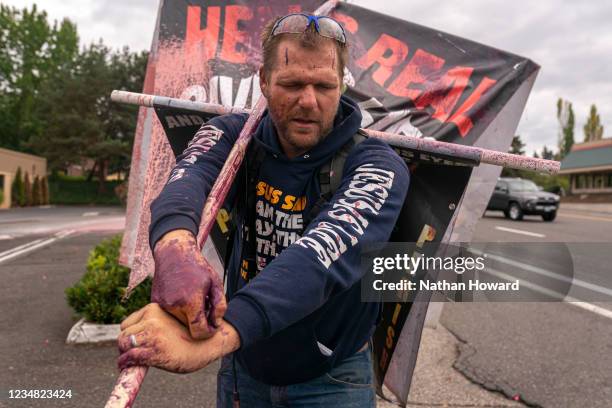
point(523, 185)
point(501, 185)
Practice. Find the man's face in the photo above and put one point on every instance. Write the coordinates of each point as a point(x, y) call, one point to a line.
point(303, 93)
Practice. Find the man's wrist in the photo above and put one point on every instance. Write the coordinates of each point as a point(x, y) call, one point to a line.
point(179, 236)
point(225, 341)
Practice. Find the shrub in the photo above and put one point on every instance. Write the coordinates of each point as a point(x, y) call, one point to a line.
point(44, 188)
point(1, 196)
point(18, 189)
point(28, 190)
point(36, 192)
point(99, 295)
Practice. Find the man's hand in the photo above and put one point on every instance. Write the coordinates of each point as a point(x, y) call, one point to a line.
point(186, 286)
point(159, 340)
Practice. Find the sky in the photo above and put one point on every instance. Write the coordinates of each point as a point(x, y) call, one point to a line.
point(570, 40)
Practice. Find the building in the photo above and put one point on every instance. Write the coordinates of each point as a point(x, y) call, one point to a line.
point(589, 166)
point(10, 160)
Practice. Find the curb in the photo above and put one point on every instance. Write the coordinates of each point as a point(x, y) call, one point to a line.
point(91, 333)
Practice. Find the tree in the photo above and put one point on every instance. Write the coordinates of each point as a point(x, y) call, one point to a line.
point(547, 154)
point(31, 52)
point(516, 147)
point(28, 190)
point(593, 130)
point(565, 116)
point(18, 189)
point(81, 121)
point(44, 187)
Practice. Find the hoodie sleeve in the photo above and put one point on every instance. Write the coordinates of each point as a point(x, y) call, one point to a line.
point(180, 203)
point(326, 259)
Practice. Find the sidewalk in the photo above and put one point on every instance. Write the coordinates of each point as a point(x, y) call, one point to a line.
point(588, 208)
point(437, 384)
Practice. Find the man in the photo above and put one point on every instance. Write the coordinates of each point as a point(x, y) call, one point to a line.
point(295, 331)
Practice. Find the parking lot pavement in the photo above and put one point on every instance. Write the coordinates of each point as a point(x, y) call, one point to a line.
point(35, 321)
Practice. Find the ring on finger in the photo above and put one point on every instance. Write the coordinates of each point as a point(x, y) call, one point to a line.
point(133, 341)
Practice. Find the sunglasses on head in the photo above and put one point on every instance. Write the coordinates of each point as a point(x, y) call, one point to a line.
point(298, 23)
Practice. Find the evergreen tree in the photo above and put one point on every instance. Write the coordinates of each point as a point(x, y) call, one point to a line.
point(28, 190)
point(565, 115)
point(18, 189)
point(593, 129)
point(517, 146)
point(36, 192)
point(547, 154)
point(44, 187)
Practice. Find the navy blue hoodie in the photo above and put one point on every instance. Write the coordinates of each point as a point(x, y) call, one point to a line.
point(301, 314)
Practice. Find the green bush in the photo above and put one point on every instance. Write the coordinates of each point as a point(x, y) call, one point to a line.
point(98, 296)
point(1, 196)
point(18, 189)
point(75, 191)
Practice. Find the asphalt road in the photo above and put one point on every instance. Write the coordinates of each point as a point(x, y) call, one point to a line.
point(35, 320)
point(553, 354)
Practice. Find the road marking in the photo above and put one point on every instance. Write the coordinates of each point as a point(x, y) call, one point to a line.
point(33, 245)
point(531, 268)
point(584, 217)
point(516, 231)
point(566, 299)
point(2, 237)
point(90, 214)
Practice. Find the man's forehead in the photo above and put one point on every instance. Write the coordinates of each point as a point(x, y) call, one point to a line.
point(291, 52)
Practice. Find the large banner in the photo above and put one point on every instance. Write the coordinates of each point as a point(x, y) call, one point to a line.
point(408, 79)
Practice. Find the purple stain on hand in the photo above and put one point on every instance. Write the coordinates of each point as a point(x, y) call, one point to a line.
point(186, 286)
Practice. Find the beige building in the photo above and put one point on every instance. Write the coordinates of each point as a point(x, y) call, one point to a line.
point(10, 160)
point(589, 166)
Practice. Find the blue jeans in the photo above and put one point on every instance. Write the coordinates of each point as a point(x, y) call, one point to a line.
point(350, 385)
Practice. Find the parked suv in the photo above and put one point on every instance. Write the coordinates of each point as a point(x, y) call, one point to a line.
point(517, 197)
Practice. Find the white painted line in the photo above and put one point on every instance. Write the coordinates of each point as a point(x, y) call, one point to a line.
point(547, 273)
point(566, 299)
point(31, 246)
point(516, 231)
point(3, 237)
point(20, 247)
point(90, 214)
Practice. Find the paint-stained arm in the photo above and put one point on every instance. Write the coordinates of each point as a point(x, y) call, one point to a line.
point(180, 203)
point(326, 260)
point(185, 284)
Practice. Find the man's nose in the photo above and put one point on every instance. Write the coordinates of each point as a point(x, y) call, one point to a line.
point(308, 97)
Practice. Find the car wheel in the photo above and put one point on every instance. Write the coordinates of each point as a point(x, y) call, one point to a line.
point(514, 212)
point(550, 216)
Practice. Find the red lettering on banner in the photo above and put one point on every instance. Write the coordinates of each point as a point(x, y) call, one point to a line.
point(417, 72)
point(208, 36)
point(388, 52)
point(232, 36)
point(444, 93)
point(348, 22)
point(463, 122)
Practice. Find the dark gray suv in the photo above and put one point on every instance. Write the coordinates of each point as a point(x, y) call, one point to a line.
point(517, 197)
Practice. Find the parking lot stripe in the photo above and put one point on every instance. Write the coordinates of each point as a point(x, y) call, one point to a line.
point(516, 231)
point(31, 246)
